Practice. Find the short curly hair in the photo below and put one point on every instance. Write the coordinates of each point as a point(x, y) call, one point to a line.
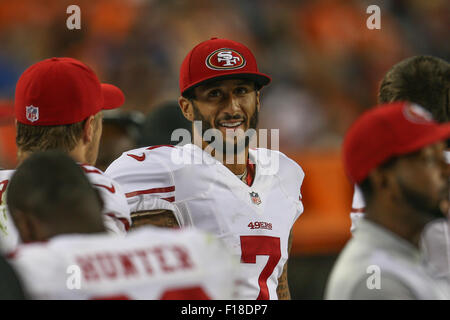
point(424, 80)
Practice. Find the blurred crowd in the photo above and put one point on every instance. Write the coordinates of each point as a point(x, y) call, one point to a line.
point(325, 63)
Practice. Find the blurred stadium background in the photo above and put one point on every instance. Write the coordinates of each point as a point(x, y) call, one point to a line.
point(324, 62)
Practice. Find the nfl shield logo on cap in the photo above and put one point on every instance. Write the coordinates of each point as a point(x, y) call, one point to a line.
point(255, 198)
point(32, 113)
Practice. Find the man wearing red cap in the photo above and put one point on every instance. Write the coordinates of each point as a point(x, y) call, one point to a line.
point(249, 198)
point(424, 80)
point(58, 104)
point(395, 154)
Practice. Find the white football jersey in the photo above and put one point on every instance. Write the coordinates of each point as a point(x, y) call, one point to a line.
point(435, 241)
point(253, 221)
point(358, 206)
point(150, 263)
point(116, 213)
point(9, 237)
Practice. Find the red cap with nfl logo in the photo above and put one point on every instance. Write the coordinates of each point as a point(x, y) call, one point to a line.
point(217, 59)
point(387, 131)
point(61, 91)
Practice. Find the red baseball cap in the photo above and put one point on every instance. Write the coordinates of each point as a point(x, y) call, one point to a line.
point(60, 91)
point(217, 59)
point(387, 131)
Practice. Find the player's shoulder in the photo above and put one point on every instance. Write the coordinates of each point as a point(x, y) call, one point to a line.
point(25, 257)
point(161, 158)
point(149, 234)
point(203, 243)
point(6, 174)
point(51, 255)
point(65, 247)
point(95, 175)
point(60, 247)
point(277, 162)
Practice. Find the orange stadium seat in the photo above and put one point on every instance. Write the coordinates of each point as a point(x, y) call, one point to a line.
point(324, 226)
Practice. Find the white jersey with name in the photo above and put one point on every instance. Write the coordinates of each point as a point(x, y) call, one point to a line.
point(150, 263)
point(435, 241)
point(253, 221)
point(116, 213)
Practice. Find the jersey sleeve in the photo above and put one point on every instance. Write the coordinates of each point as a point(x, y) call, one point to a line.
point(292, 176)
point(116, 213)
point(146, 176)
point(298, 181)
point(358, 207)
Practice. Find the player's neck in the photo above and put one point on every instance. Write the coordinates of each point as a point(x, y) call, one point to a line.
point(237, 169)
point(398, 220)
point(78, 154)
point(236, 163)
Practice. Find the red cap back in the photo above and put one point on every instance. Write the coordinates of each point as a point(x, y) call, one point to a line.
point(387, 131)
point(60, 91)
point(217, 59)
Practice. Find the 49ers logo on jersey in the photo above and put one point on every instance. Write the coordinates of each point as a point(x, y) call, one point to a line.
point(225, 59)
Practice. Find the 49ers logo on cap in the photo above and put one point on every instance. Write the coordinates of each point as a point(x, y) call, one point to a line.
point(225, 59)
point(417, 114)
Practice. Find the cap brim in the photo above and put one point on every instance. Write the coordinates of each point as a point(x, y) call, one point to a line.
point(259, 78)
point(113, 97)
point(440, 134)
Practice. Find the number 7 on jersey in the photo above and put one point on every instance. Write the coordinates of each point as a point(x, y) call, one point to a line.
point(252, 246)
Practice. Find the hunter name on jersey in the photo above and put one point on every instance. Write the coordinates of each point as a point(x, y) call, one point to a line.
point(150, 263)
point(254, 220)
point(158, 260)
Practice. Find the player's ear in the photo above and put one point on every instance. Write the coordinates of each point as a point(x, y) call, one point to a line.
point(89, 129)
point(382, 179)
point(258, 101)
point(186, 108)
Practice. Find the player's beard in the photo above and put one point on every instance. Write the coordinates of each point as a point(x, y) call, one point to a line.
point(206, 125)
point(422, 203)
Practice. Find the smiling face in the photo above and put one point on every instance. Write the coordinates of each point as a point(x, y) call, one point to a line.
point(230, 106)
